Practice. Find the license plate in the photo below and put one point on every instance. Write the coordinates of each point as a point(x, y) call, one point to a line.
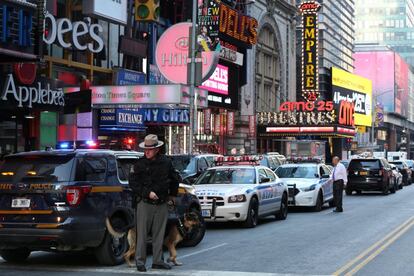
point(20, 203)
point(363, 173)
point(206, 213)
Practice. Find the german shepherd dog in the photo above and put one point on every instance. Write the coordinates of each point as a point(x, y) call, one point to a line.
point(172, 237)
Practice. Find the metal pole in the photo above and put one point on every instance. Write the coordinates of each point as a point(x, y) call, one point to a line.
point(192, 77)
point(374, 104)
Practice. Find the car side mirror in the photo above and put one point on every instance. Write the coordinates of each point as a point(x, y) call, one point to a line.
point(264, 180)
point(325, 176)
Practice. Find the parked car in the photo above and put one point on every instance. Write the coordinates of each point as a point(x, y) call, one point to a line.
point(374, 174)
point(398, 177)
point(190, 166)
point(410, 164)
point(270, 161)
point(59, 201)
point(404, 170)
point(309, 184)
point(241, 192)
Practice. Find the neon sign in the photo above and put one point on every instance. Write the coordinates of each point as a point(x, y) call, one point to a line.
point(310, 65)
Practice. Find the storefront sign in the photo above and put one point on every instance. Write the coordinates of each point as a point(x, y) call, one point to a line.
point(230, 123)
point(207, 121)
point(237, 26)
point(113, 10)
point(29, 96)
point(208, 24)
point(122, 118)
point(310, 66)
point(171, 55)
point(128, 77)
point(219, 81)
point(231, 56)
point(355, 89)
point(58, 30)
point(162, 116)
point(252, 126)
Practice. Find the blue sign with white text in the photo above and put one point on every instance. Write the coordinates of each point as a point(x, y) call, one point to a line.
point(128, 77)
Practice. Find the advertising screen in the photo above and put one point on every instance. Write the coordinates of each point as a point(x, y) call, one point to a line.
point(379, 68)
point(219, 81)
point(355, 89)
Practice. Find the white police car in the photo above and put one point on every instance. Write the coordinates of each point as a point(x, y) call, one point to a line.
point(241, 190)
point(309, 184)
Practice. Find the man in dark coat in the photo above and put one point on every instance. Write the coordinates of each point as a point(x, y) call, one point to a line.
point(154, 182)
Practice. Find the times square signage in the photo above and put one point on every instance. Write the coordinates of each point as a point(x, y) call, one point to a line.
point(319, 113)
point(69, 34)
point(310, 65)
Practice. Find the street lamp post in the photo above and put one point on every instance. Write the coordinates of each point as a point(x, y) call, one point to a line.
point(192, 77)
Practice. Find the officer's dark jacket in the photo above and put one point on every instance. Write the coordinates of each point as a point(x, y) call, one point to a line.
point(158, 176)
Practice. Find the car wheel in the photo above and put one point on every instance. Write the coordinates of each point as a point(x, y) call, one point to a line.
point(15, 255)
point(401, 186)
point(283, 212)
point(111, 251)
point(393, 189)
point(252, 214)
point(348, 192)
point(359, 192)
point(319, 203)
point(196, 235)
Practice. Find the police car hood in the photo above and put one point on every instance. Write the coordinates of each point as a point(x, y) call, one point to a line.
point(222, 189)
point(301, 182)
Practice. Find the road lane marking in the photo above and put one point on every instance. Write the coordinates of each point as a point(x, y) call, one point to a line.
point(202, 251)
point(372, 247)
point(379, 250)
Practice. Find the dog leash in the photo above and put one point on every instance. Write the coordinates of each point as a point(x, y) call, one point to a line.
point(180, 226)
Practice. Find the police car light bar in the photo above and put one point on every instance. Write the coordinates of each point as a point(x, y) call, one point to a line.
point(238, 159)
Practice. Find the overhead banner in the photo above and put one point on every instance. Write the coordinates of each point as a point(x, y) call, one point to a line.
point(230, 123)
point(208, 24)
point(310, 66)
point(354, 89)
point(252, 126)
point(207, 121)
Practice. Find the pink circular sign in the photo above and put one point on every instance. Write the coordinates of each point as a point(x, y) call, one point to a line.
point(172, 55)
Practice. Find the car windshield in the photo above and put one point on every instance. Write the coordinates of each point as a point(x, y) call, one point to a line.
point(364, 164)
point(297, 172)
point(184, 164)
point(409, 162)
point(32, 168)
point(228, 176)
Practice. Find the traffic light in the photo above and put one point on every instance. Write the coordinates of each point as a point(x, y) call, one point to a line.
point(147, 10)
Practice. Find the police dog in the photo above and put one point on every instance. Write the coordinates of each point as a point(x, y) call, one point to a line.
point(172, 237)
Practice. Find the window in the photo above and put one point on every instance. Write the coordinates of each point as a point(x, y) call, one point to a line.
point(91, 169)
point(271, 175)
point(202, 164)
point(124, 167)
point(326, 170)
point(262, 174)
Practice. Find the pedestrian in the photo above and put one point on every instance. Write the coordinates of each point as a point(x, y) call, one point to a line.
point(340, 178)
point(154, 182)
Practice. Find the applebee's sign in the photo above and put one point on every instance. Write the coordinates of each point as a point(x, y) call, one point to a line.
point(28, 96)
point(67, 33)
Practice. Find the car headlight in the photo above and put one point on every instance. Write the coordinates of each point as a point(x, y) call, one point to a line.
point(237, 198)
point(310, 188)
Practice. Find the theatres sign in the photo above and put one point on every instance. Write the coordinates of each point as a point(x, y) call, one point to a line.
point(310, 66)
point(322, 113)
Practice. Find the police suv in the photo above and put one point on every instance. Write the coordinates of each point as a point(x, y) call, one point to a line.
point(309, 184)
point(59, 200)
point(238, 189)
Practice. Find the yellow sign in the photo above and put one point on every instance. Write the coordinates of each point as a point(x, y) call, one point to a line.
point(356, 89)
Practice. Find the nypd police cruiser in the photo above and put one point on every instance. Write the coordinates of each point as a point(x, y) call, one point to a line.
point(309, 184)
point(241, 190)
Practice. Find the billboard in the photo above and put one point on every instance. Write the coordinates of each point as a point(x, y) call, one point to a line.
point(356, 89)
point(115, 11)
point(379, 68)
point(219, 81)
point(401, 86)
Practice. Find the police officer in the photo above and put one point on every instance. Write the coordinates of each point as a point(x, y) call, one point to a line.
point(340, 178)
point(154, 182)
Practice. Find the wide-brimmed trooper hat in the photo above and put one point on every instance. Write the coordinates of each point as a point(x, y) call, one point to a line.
point(151, 142)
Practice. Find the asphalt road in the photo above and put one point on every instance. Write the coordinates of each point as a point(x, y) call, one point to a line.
point(374, 236)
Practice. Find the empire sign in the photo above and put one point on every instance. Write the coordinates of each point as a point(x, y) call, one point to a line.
point(310, 66)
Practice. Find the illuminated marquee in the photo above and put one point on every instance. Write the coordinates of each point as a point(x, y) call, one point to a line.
point(310, 65)
point(238, 26)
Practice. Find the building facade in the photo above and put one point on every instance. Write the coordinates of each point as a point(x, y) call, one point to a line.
point(387, 22)
point(270, 69)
